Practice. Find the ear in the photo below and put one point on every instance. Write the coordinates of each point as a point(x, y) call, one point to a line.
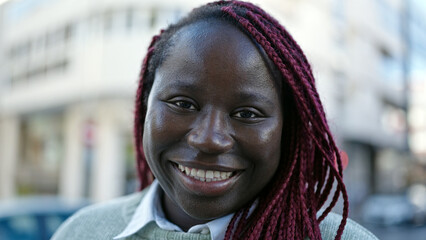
point(345, 159)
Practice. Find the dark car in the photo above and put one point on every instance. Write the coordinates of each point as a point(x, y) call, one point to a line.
point(34, 218)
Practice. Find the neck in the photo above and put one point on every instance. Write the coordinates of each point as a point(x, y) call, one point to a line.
point(176, 215)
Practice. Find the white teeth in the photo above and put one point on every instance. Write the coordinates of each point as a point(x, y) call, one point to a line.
point(209, 174)
point(205, 175)
point(201, 173)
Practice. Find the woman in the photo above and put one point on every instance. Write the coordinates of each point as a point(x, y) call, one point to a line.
point(229, 121)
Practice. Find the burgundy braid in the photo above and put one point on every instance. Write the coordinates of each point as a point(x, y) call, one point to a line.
point(287, 208)
point(144, 173)
point(322, 132)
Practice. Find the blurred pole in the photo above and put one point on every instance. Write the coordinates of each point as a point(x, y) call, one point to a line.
point(4, 82)
point(406, 65)
point(9, 142)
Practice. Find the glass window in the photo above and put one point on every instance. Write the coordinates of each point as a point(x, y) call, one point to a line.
point(41, 153)
point(153, 17)
point(389, 16)
point(129, 18)
point(108, 21)
point(392, 69)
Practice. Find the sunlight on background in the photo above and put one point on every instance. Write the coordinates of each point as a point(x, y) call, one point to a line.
point(69, 70)
point(3, 1)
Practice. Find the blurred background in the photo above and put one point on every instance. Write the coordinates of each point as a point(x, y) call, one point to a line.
point(68, 76)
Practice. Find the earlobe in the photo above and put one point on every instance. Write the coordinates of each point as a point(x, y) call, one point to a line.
point(345, 160)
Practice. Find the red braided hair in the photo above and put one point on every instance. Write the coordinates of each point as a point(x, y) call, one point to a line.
point(287, 208)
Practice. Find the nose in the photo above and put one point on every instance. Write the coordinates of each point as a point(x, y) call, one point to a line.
point(211, 133)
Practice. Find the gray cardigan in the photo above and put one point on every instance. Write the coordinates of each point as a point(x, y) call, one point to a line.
point(107, 220)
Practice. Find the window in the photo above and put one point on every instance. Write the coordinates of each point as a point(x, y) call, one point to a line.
point(129, 18)
point(108, 21)
point(153, 17)
point(41, 153)
point(393, 120)
point(391, 69)
point(389, 16)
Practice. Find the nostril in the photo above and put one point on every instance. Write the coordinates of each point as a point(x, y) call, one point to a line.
point(211, 143)
point(210, 133)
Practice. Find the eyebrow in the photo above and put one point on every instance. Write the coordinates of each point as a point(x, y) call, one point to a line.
point(179, 84)
point(249, 96)
point(243, 96)
point(184, 85)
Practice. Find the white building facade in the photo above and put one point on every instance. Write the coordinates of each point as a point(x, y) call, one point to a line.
point(68, 80)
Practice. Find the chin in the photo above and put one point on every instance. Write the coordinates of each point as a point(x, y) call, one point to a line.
point(208, 211)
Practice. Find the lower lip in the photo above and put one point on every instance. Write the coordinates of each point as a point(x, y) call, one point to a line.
point(209, 189)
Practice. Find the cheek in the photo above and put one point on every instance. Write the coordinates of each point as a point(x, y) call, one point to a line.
point(153, 138)
point(262, 144)
point(161, 130)
point(157, 128)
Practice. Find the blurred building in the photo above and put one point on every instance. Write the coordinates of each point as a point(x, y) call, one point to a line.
point(68, 78)
point(417, 116)
point(69, 71)
point(358, 51)
point(417, 99)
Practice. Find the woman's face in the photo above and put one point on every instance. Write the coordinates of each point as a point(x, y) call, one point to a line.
point(213, 127)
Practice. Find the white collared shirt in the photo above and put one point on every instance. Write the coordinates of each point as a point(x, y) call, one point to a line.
point(150, 209)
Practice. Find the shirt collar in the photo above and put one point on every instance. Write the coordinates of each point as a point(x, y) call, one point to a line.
point(150, 209)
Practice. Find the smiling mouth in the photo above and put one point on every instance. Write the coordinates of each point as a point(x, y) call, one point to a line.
point(205, 175)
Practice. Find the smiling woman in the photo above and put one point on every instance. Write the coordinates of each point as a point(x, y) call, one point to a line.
point(199, 118)
point(230, 124)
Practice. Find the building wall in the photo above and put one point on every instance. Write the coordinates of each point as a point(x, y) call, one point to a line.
point(417, 118)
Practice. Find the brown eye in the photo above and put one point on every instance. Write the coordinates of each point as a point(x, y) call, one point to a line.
point(245, 114)
point(185, 105)
point(248, 115)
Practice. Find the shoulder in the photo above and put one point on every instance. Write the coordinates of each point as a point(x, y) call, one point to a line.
point(100, 221)
point(353, 231)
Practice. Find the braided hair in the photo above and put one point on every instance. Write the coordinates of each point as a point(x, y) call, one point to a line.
point(310, 162)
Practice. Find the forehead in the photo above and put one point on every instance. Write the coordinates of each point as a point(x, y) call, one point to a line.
point(214, 47)
point(214, 36)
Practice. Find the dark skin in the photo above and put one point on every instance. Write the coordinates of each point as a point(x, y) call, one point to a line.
point(213, 109)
